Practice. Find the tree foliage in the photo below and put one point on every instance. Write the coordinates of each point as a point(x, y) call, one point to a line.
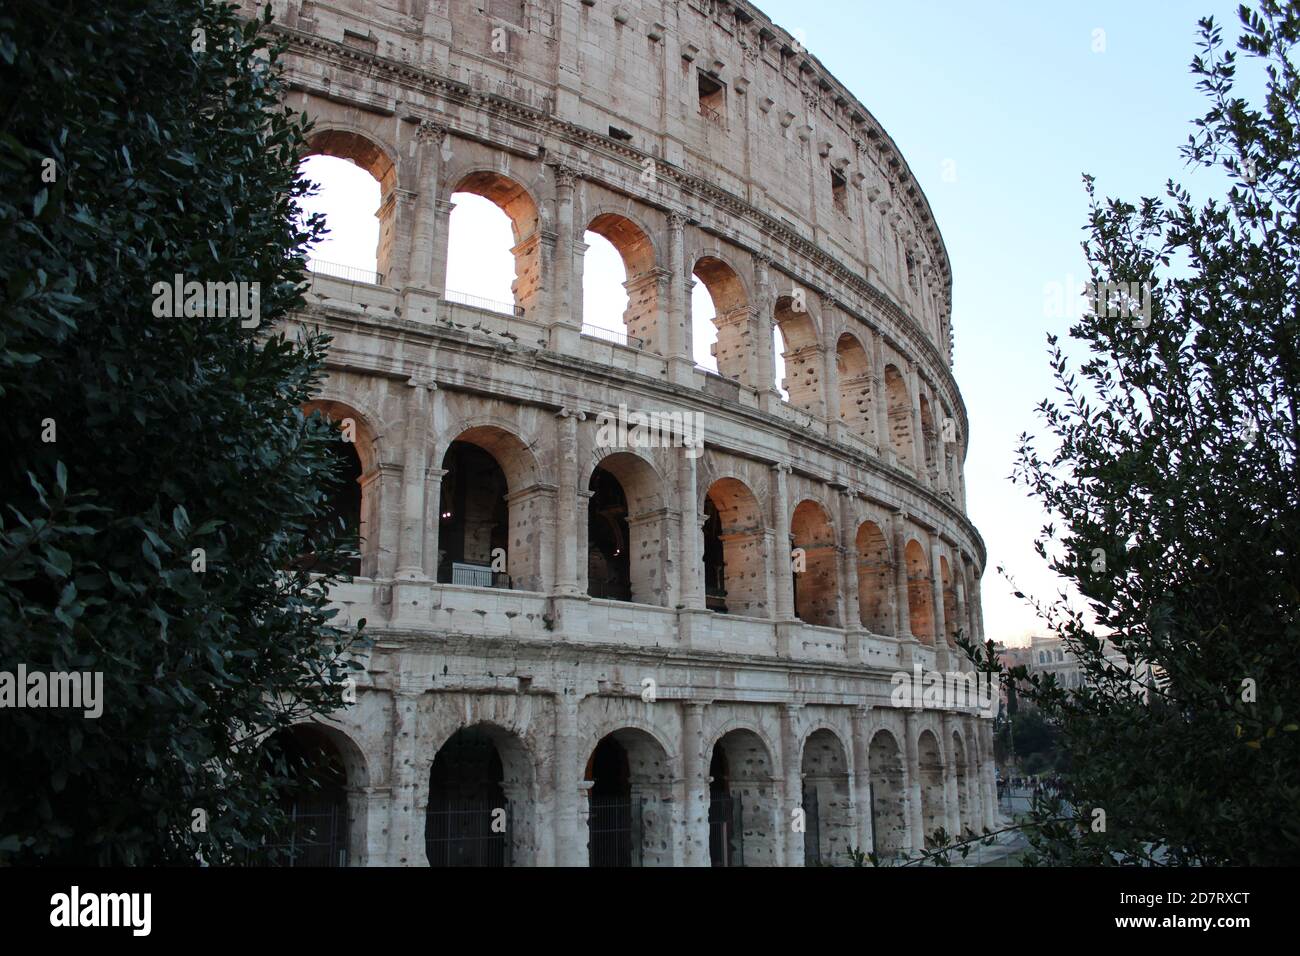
point(1173, 492)
point(140, 140)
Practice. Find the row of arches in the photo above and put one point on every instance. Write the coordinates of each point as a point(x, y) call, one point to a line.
point(489, 534)
point(484, 804)
point(494, 244)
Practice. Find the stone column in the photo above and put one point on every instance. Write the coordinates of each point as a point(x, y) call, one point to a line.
point(880, 395)
point(862, 777)
point(792, 769)
point(695, 786)
point(410, 592)
point(676, 341)
point(830, 364)
point(567, 526)
point(903, 621)
point(783, 583)
point(432, 519)
point(959, 584)
point(571, 844)
point(566, 300)
point(912, 771)
point(404, 844)
point(936, 595)
point(987, 763)
point(691, 544)
point(764, 381)
point(918, 433)
point(951, 796)
point(852, 616)
point(428, 137)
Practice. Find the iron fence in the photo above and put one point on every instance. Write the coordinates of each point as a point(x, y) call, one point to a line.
point(315, 836)
point(468, 833)
point(338, 270)
point(614, 831)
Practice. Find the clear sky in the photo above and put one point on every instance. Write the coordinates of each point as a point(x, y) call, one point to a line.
point(999, 108)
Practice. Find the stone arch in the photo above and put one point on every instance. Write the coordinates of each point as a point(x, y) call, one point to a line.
point(929, 757)
point(630, 801)
point(490, 503)
point(856, 410)
point(627, 531)
point(920, 598)
point(364, 150)
point(875, 579)
point(816, 586)
point(828, 817)
point(899, 406)
point(643, 277)
point(360, 500)
point(743, 800)
point(479, 769)
point(888, 796)
point(733, 316)
point(735, 562)
point(522, 209)
point(802, 355)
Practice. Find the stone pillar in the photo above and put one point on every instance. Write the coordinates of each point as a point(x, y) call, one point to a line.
point(951, 796)
point(918, 433)
point(959, 584)
point(830, 364)
point(792, 774)
point(695, 787)
point(903, 621)
point(936, 596)
point(566, 299)
point(690, 558)
point(852, 616)
point(428, 137)
point(912, 769)
point(783, 583)
point(404, 844)
point(862, 777)
point(411, 597)
point(765, 379)
point(676, 340)
point(881, 396)
point(987, 764)
point(570, 842)
point(567, 526)
point(432, 519)
point(974, 774)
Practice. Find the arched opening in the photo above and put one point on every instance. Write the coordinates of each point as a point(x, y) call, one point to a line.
point(965, 808)
point(473, 519)
point(626, 527)
point(479, 795)
point(493, 245)
point(930, 761)
point(875, 579)
point(802, 357)
point(315, 802)
point(815, 561)
point(828, 819)
point(486, 522)
point(920, 599)
point(620, 284)
point(355, 193)
point(742, 802)
point(888, 804)
point(951, 622)
point(930, 441)
point(900, 416)
point(735, 572)
point(348, 510)
point(856, 411)
point(721, 320)
point(630, 801)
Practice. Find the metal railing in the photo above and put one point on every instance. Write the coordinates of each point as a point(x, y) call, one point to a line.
point(338, 270)
point(618, 336)
point(477, 576)
point(478, 302)
point(462, 833)
point(614, 831)
point(316, 836)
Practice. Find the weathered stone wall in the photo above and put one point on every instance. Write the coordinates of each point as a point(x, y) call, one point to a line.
point(573, 115)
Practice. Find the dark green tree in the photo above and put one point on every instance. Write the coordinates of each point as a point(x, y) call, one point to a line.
point(140, 140)
point(1174, 499)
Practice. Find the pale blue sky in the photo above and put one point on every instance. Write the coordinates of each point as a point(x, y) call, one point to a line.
point(998, 108)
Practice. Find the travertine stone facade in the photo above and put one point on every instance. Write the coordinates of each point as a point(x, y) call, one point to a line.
point(702, 141)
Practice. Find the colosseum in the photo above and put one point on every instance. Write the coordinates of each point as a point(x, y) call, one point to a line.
point(626, 610)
